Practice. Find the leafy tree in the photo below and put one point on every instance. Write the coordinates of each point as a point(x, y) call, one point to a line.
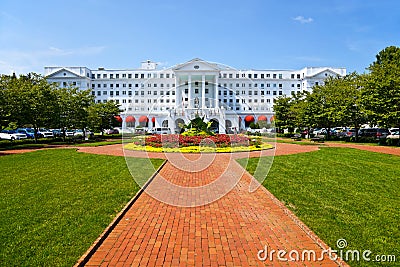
point(102, 115)
point(32, 100)
point(381, 93)
point(73, 108)
point(284, 116)
point(5, 114)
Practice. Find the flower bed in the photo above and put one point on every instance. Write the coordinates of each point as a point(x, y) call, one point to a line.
point(194, 144)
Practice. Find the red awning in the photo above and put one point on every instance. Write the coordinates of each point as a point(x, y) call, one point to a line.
point(143, 119)
point(153, 119)
point(249, 118)
point(130, 119)
point(262, 118)
point(118, 118)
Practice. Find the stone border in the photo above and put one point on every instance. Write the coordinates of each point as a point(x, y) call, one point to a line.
point(93, 248)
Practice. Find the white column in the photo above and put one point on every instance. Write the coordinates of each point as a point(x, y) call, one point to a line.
point(190, 91)
point(178, 94)
point(203, 91)
point(216, 91)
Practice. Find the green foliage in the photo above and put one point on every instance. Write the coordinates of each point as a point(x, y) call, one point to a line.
point(101, 115)
point(381, 94)
point(198, 126)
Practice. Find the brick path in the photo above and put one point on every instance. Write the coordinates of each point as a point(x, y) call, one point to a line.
point(228, 231)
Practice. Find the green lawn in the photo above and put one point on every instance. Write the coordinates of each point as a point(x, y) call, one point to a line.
point(55, 203)
point(342, 193)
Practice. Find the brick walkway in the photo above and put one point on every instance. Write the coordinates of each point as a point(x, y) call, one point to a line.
point(230, 228)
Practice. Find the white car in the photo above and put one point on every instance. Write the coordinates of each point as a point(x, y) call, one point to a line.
point(393, 130)
point(395, 135)
point(12, 135)
point(45, 133)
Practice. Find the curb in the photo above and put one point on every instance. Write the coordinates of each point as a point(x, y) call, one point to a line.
point(93, 248)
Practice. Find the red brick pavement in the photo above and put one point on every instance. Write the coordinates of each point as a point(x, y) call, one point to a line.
point(198, 211)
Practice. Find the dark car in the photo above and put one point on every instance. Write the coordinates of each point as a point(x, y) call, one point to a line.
point(373, 132)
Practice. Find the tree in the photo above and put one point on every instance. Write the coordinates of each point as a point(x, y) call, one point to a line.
point(31, 101)
point(102, 115)
point(73, 108)
point(284, 116)
point(381, 93)
point(5, 114)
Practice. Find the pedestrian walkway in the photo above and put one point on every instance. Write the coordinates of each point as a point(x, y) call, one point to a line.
point(169, 226)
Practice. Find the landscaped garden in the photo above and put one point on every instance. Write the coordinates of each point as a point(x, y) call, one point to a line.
point(341, 193)
point(55, 203)
point(196, 138)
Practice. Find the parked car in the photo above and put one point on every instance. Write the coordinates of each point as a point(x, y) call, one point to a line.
point(374, 132)
point(29, 132)
point(56, 132)
point(395, 135)
point(349, 133)
point(319, 131)
point(44, 133)
point(161, 130)
point(12, 135)
point(79, 133)
point(111, 131)
point(393, 130)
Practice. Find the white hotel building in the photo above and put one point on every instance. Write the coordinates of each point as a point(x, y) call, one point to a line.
point(155, 97)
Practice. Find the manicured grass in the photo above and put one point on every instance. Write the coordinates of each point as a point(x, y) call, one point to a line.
point(342, 193)
point(55, 203)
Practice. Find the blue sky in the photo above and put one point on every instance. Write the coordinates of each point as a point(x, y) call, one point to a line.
point(251, 34)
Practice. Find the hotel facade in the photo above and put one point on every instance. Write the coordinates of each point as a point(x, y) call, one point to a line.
point(231, 99)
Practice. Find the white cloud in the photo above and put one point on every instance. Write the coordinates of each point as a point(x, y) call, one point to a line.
point(303, 20)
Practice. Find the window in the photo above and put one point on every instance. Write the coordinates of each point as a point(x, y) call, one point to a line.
point(123, 92)
point(142, 76)
point(230, 76)
point(298, 76)
point(161, 92)
point(280, 85)
point(136, 85)
point(274, 76)
point(129, 76)
point(237, 75)
point(155, 85)
point(149, 92)
point(111, 85)
point(225, 93)
point(104, 92)
point(98, 93)
point(230, 93)
point(237, 92)
point(268, 92)
point(237, 85)
point(111, 76)
point(136, 75)
point(224, 75)
point(268, 75)
point(142, 93)
point(262, 76)
point(124, 85)
point(196, 91)
point(111, 93)
point(280, 76)
point(129, 93)
point(249, 75)
point(280, 92)
point(117, 93)
point(206, 90)
point(292, 76)
point(274, 93)
point(255, 75)
point(255, 92)
point(105, 76)
point(167, 75)
point(105, 85)
point(117, 85)
point(250, 92)
point(262, 92)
